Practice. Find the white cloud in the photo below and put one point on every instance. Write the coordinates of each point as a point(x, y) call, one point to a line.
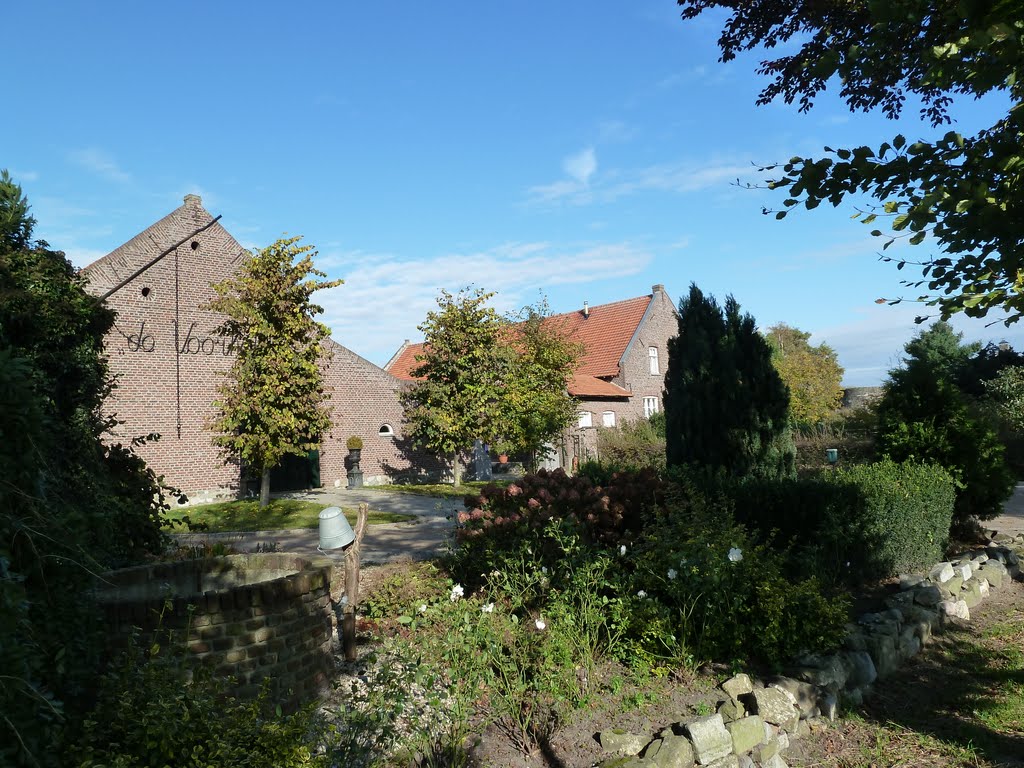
point(872, 344)
point(23, 177)
point(101, 163)
point(385, 297)
point(82, 257)
point(581, 166)
point(682, 177)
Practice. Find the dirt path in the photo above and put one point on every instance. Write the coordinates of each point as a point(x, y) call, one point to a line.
point(1011, 522)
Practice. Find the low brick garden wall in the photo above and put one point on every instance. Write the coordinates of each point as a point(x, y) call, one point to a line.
point(756, 720)
point(252, 617)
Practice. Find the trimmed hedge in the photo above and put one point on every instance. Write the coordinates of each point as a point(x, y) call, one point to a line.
point(864, 523)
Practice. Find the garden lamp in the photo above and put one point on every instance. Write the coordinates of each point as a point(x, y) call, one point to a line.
point(335, 532)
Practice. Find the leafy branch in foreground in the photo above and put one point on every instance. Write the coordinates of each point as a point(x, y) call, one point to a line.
point(963, 194)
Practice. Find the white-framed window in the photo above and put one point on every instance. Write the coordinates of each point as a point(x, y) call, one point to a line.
point(608, 418)
point(652, 355)
point(586, 419)
point(386, 431)
point(651, 406)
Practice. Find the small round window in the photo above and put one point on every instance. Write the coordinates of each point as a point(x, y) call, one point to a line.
point(386, 431)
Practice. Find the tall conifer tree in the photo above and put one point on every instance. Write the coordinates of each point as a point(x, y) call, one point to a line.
point(726, 408)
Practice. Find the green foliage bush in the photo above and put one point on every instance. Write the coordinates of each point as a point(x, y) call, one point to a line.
point(715, 592)
point(71, 505)
point(924, 416)
point(148, 715)
point(858, 524)
point(633, 445)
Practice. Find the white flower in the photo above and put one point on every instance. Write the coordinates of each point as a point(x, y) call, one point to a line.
point(457, 592)
point(735, 554)
point(539, 623)
point(672, 573)
point(423, 608)
point(641, 594)
point(543, 569)
point(622, 549)
point(487, 607)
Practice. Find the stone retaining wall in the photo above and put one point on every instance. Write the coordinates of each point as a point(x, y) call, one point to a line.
point(756, 721)
point(253, 617)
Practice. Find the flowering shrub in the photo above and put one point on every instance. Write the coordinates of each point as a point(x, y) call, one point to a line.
point(715, 593)
point(499, 522)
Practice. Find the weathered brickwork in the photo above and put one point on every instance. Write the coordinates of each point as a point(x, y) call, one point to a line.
point(364, 403)
point(168, 364)
point(278, 629)
point(162, 350)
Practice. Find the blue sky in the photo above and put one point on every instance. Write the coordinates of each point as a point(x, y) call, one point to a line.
point(583, 150)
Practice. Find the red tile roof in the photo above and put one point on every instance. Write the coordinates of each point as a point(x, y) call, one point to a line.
point(604, 332)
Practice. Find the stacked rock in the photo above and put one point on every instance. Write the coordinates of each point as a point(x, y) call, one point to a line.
point(753, 725)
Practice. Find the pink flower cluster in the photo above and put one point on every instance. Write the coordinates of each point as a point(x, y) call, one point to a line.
point(605, 514)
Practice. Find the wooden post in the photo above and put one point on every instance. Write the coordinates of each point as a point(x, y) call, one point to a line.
point(348, 622)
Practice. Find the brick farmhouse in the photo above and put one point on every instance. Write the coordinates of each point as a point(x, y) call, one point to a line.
point(168, 363)
point(622, 372)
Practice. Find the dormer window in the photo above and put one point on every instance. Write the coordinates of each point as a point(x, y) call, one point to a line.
point(652, 354)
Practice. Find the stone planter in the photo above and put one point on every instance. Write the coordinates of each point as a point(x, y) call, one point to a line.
point(354, 474)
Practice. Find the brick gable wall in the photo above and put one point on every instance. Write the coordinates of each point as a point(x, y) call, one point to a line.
point(166, 381)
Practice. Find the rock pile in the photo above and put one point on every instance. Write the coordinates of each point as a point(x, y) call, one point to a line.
point(754, 724)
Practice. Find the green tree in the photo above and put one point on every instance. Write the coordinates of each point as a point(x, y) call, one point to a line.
point(812, 373)
point(963, 194)
point(460, 379)
point(924, 416)
point(536, 403)
point(71, 505)
point(272, 402)
point(726, 408)
point(1006, 391)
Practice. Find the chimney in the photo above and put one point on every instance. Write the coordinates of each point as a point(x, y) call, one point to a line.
point(191, 199)
point(586, 309)
point(657, 288)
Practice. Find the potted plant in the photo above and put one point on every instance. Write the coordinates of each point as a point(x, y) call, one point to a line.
point(355, 450)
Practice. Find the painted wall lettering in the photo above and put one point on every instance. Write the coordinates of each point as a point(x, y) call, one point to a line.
point(205, 345)
point(141, 341)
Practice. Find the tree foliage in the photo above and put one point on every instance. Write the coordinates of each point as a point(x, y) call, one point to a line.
point(457, 397)
point(924, 416)
point(486, 377)
point(726, 407)
point(812, 374)
point(1006, 391)
point(272, 402)
point(71, 505)
point(536, 401)
point(962, 194)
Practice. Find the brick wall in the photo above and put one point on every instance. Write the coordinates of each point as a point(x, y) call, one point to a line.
point(277, 629)
point(364, 398)
point(162, 350)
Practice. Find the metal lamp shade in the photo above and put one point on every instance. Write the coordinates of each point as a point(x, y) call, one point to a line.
point(335, 532)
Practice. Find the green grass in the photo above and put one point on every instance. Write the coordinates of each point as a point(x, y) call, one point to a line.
point(444, 491)
point(245, 515)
